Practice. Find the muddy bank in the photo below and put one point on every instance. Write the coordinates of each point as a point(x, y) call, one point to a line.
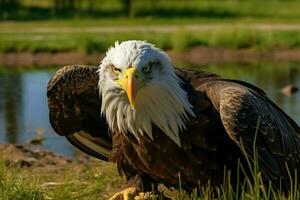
point(194, 56)
point(26, 59)
point(35, 157)
point(202, 55)
point(23, 156)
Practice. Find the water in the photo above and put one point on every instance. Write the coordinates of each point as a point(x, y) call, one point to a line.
point(23, 103)
point(24, 111)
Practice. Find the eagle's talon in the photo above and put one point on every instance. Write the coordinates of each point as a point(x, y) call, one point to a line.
point(127, 194)
point(146, 196)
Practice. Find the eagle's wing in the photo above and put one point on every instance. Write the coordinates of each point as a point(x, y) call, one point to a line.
point(249, 118)
point(74, 109)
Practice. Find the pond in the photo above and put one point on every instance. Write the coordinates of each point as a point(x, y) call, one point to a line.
point(24, 112)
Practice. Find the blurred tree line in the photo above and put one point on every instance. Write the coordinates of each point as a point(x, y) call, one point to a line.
point(77, 4)
point(49, 9)
point(9, 3)
point(59, 6)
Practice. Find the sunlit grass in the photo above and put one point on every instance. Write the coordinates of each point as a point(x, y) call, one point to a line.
point(99, 180)
point(233, 38)
point(93, 180)
point(15, 186)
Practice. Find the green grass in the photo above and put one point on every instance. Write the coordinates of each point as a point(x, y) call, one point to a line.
point(233, 38)
point(99, 180)
point(15, 186)
point(94, 180)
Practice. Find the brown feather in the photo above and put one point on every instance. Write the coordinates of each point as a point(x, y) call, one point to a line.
point(74, 107)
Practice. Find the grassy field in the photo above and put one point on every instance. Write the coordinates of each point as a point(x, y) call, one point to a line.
point(31, 38)
point(99, 180)
point(92, 180)
point(42, 175)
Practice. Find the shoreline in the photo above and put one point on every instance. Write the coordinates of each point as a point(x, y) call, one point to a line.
point(194, 56)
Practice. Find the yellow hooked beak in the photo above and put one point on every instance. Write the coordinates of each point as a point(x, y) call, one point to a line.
point(128, 82)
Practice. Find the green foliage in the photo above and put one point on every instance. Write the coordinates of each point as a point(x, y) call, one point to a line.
point(93, 45)
point(15, 187)
point(210, 9)
point(235, 38)
point(182, 40)
point(95, 180)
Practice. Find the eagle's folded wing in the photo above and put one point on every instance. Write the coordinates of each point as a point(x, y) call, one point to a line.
point(253, 121)
point(74, 109)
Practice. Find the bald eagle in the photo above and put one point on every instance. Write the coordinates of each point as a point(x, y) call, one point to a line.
point(157, 121)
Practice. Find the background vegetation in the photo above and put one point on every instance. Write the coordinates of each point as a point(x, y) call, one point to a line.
point(88, 42)
point(218, 9)
point(89, 26)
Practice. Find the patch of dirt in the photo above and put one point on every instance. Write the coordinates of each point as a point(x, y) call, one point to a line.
point(48, 59)
point(194, 56)
point(24, 157)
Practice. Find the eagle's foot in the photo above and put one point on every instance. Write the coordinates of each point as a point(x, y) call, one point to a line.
point(146, 196)
point(127, 194)
point(133, 194)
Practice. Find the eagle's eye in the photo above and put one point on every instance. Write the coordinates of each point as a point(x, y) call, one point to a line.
point(115, 71)
point(147, 69)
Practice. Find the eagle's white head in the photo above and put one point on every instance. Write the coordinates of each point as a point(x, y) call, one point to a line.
point(139, 86)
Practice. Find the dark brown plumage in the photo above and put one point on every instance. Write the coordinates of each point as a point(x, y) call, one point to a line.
point(229, 114)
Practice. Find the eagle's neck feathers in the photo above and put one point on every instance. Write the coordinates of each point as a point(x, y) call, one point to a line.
point(166, 107)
